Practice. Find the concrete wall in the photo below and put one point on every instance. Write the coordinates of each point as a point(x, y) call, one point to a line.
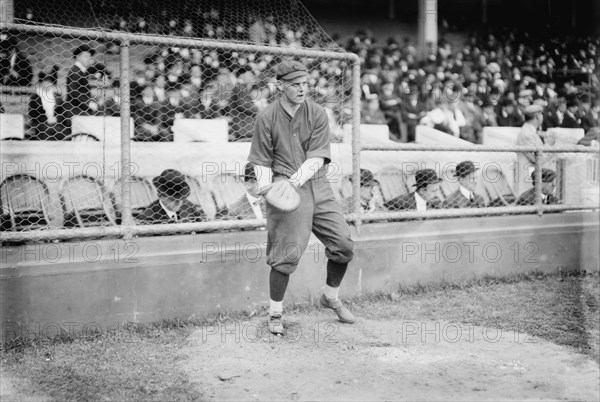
point(108, 282)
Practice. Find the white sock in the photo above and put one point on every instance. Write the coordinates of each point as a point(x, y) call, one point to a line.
point(276, 307)
point(331, 293)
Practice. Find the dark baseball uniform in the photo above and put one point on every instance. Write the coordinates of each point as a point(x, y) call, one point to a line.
point(283, 143)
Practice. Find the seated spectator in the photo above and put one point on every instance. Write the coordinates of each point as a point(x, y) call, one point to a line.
point(571, 118)
point(389, 102)
point(370, 113)
point(508, 115)
point(588, 118)
point(172, 205)
point(15, 68)
point(591, 138)
point(368, 184)
point(171, 109)
point(112, 106)
point(465, 196)
point(555, 112)
point(423, 198)
point(413, 110)
point(137, 85)
point(445, 117)
point(146, 115)
point(241, 107)
point(46, 109)
point(250, 205)
point(548, 184)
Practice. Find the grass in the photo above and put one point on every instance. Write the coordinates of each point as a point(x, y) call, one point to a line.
point(140, 361)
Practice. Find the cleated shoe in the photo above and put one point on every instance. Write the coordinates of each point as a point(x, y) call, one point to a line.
point(342, 312)
point(276, 324)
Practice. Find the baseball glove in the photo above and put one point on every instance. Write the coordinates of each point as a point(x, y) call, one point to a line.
point(282, 195)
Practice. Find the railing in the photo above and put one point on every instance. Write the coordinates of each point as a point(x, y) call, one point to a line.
point(128, 228)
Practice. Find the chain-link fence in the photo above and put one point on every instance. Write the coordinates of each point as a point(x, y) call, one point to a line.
point(140, 124)
point(125, 129)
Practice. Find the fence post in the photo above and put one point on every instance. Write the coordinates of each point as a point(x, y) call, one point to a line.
point(126, 216)
point(538, 182)
point(356, 95)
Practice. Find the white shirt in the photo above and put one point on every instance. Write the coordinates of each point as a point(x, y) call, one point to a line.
point(255, 203)
point(48, 105)
point(172, 214)
point(421, 203)
point(468, 194)
point(81, 67)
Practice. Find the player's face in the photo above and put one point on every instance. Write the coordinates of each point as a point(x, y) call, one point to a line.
point(296, 90)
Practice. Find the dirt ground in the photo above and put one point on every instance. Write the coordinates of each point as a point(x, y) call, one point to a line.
point(322, 359)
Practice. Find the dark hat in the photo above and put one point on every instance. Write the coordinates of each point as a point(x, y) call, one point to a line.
point(507, 102)
point(366, 178)
point(571, 102)
point(172, 183)
point(290, 69)
point(465, 168)
point(249, 173)
point(83, 48)
point(425, 177)
point(548, 175)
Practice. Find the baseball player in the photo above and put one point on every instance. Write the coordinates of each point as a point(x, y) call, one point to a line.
point(291, 142)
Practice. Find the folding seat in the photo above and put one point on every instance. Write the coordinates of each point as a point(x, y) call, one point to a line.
point(85, 203)
point(143, 194)
point(24, 202)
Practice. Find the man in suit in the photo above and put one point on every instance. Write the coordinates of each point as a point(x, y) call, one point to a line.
point(79, 99)
point(423, 198)
point(46, 110)
point(172, 205)
point(367, 187)
point(529, 136)
point(250, 205)
point(465, 196)
point(413, 110)
point(571, 118)
point(548, 185)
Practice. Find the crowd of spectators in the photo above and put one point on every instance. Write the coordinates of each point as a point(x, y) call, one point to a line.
point(488, 82)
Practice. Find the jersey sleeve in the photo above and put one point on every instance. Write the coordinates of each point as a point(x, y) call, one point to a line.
point(319, 141)
point(261, 149)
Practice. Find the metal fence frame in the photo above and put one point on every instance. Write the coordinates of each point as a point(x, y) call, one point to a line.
point(128, 229)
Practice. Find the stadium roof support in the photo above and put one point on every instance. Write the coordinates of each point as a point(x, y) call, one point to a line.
point(428, 30)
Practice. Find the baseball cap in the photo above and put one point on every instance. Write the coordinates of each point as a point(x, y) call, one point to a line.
point(290, 69)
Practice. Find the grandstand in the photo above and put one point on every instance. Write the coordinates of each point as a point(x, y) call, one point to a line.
point(177, 86)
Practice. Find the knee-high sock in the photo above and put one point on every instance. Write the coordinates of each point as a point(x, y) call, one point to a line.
point(335, 273)
point(277, 285)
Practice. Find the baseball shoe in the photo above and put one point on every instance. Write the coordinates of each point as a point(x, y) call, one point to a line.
point(342, 312)
point(276, 324)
